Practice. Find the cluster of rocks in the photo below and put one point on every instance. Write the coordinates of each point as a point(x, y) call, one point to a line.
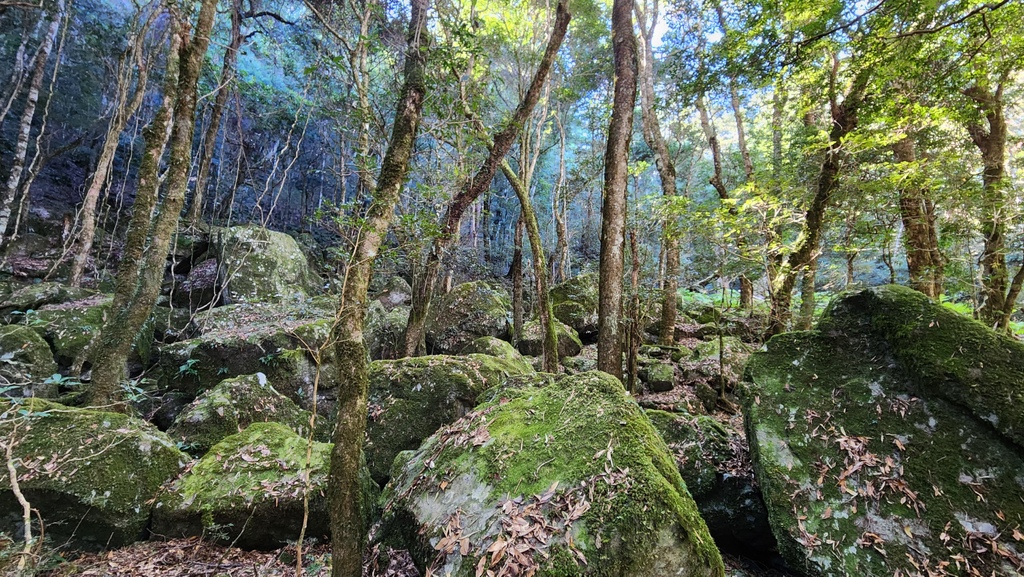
point(888, 440)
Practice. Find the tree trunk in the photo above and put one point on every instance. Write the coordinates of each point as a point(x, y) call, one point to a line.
point(613, 207)
point(666, 171)
point(991, 141)
point(480, 182)
point(844, 121)
point(227, 74)
point(920, 237)
point(516, 272)
point(807, 297)
point(347, 535)
point(124, 109)
point(142, 268)
point(17, 165)
point(544, 312)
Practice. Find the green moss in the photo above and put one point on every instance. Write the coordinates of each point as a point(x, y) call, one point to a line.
point(411, 398)
point(91, 474)
point(846, 452)
point(471, 310)
point(264, 266)
point(944, 352)
point(532, 340)
point(574, 302)
point(248, 489)
point(230, 407)
point(584, 436)
point(26, 360)
point(71, 327)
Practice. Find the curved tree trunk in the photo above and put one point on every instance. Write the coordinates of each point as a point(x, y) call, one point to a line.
point(481, 181)
point(347, 536)
point(613, 207)
point(920, 236)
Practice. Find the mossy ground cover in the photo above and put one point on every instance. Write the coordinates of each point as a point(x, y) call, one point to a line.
point(864, 477)
point(91, 474)
point(576, 461)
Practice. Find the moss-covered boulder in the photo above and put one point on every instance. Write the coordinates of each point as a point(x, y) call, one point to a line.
point(26, 363)
point(715, 363)
point(283, 341)
point(261, 265)
point(230, 407)
point(199, 287)
point(715, 463)
point(248, 491)
point(659, 376)
point(384, 328)
point(72, 327)
point(411, 398)
point(565, 479)
point(876, 454)
point(471, 310)
point(34, 296)
point(574, 302)
point(532, 340)
point(496, 347)
point(395, 292)
point(90, 474)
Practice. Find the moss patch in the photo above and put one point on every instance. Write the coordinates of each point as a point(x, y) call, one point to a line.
point(91, 474)
point(574, 302)
point(264, 266)
point(411, 398)
point(26, 361)
point(863, 477)
point(471, 310)
point(579, 460)
point(532, 341)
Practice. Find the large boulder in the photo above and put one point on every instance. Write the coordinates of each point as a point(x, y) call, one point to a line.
point(288, 343)
point(230, 407)
point(565, 479)
point(532, 340)
point(26, 363)
point(471, 310)
point(574, 302)
point(249, 489)
point(33, 296)
point(90, 474)
point(384, 328)
point(888, 440)
point(72, 327)
point(261, 265)
point(715, 463)
point(411, 398)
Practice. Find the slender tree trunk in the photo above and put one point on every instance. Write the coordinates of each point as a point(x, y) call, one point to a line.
point(17, 78)
point(209, 142)
point(560, 261)
point(347, 535)
point(807, 296)
point(17, 165)
point(666, 169)
point(920, 237)
point(480, 182)
point(613, 207)
point(516, 272)
point(544, 313)
point(142, 269)
point(991, 141)
point(124, 109)
point(844, 121)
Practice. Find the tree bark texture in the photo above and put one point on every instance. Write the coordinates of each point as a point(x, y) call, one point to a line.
point(920, 234)
point(614, 196)
point(347, 536)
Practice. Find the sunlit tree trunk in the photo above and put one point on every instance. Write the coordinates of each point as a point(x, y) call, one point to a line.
point(516, 272)
point(665, 165)
point(920, 235)
point(142, 267)
point(616, 175)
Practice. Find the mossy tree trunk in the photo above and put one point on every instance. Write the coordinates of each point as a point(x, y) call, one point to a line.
point(516, 272)
point(481, 181)
point(151, 227)
point(616, 177)
point(997, 288)
point(807, 296)
point(133, 59)
point(666, 168)
point(920, 235)
point(785, 274)
point(544, 312)
point(347, 535)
